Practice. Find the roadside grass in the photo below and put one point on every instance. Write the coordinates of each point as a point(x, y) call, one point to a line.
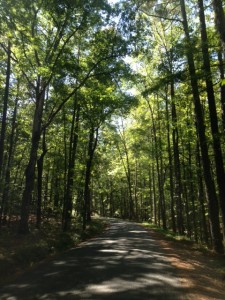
point(206, 264)
point(18, 252)
point(170, 235)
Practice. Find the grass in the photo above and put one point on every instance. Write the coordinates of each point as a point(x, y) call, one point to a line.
point(18, 253)
point(169, 234)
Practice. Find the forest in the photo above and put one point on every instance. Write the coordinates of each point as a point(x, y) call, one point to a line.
point(115, 108)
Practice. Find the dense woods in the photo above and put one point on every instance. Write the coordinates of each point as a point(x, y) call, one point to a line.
point(115, 108)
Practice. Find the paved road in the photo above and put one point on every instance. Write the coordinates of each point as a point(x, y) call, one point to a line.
point(124, 263)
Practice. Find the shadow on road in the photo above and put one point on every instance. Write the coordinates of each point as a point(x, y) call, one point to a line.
point(124, 263)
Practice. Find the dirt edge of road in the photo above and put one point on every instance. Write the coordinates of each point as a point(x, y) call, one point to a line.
point(202, 274)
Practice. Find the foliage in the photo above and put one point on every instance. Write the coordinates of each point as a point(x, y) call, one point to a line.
point(19, 253)
point(101, 116)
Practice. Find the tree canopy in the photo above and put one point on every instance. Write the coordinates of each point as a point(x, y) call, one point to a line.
point(115, 108)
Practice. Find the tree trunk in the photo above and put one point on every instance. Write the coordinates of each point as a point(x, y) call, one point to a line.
point(151, 196)
point(157, 144)
point(93, 139)
point(5, 196)
point(192, 192)
point(5, 108)
point(161, 208)
point(177, 171)
point(201, 197)
point(40, 163)
point(154, 196)
point(135, 189)
point(222, 86)
point(131, 204)
point(210, 186)
point(172, 211)
point(220, 21)
point(68, 197)
point(220, 175)
point(127, 169)
point(30, 169)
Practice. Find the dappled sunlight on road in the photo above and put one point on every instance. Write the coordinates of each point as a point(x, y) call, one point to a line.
point(112, 251)
point(124, 263)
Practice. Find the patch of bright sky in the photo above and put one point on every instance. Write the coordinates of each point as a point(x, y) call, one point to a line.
point(113, 1)
point(135, 66)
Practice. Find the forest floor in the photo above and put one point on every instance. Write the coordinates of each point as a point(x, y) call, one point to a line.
point(201, 273)
point(19, 252)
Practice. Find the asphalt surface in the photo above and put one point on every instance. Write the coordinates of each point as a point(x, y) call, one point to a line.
point(123, 263)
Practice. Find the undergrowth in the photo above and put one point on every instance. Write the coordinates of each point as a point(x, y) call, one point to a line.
point(169, 234)
point(18, 252)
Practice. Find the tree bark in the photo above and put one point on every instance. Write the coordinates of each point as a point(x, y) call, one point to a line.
point(68, 197)
point(93, 139)
point(222, 86)
point(161, 208)
point(40, 163)
point(220, 175)
point(177, 171)
point(127, 169)
point(201, 197)
point(6, 189)
point(210, 185)
point(5, 108)
point(30, 169)
point(220, 21)
point(172, 210)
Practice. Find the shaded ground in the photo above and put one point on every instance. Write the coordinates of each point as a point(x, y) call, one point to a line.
point(21, 252)
point(201, 273)
point(124, 263)
point(150, 267)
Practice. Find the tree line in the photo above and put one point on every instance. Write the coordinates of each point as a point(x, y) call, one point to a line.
point(115, 108)
point(60, 72)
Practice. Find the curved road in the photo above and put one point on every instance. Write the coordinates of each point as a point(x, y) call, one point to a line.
point(123, 263)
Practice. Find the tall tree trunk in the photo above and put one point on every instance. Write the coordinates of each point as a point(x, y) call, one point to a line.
point(192, 191)
point(157, 143)
point(188, 225)
point(210, 186)
point(5, 108)
point(68, 197)
point(201, 197)
point(135, 189)
point(220, 21)
point(154, 196)
point(127, 169)
point(177, 171)
point(151, 196)
point(220, 175)
point(40, 165)
point(222, 86)
point(93, 139)
point(131, 204)
point(6, 189)
point(172, 210)
point(30, 169)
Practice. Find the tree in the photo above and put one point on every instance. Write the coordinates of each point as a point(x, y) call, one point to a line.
point(5, 105)
point(212, 198)
point(65, 34)
point(220, 175)
point(3, 121)
point(220, 20)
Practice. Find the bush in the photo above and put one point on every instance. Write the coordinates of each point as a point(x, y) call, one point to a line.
point(30, 254)
point(63, 241)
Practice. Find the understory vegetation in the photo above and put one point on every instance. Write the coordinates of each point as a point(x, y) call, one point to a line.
point(17, 253)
